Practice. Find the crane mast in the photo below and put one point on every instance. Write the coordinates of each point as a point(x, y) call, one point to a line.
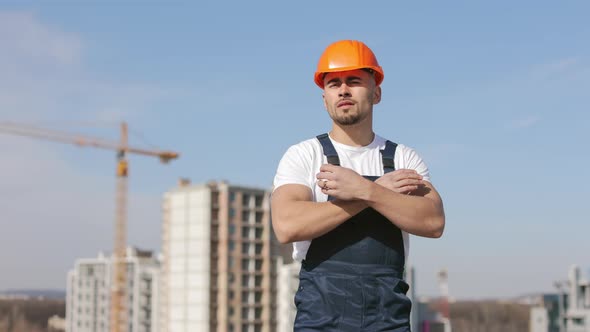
point(119, 280)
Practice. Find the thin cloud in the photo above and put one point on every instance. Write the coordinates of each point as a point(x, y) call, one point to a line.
point(24, 37)
point(44, 78)
point(556, 68)
point(524, 122)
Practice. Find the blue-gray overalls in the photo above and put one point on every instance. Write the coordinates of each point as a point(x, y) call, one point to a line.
point(351, 278)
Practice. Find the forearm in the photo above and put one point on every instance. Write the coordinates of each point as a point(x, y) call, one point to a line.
point(306, 220)
point(422, 216)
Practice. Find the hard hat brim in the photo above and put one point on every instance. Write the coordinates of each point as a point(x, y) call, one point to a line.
point(377, 72)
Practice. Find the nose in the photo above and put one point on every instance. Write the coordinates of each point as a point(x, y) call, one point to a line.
point(344, 90)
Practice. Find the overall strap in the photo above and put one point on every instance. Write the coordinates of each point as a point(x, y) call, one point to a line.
point(329, 150)
point(388, 155)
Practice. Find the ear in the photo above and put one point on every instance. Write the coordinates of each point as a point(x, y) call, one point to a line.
point(324, 100)
point(377, 95)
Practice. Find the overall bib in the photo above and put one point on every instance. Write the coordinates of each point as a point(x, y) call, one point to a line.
point(352, 277)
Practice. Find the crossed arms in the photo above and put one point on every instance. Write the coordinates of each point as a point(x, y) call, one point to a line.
point(409, 202)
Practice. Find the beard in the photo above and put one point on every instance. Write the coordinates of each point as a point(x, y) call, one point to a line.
point(347, 119)
point(350, 116)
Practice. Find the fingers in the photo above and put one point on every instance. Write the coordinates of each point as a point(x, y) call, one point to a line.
point(398, 181)
point(401, 178)
point(325, 176)
point(327, 168)
point(404, 174)
point(323, 184)
point(408, 182)
point(407, 189)
point(403, 181)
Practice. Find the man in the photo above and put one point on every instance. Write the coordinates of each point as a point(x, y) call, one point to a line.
point(348, 200)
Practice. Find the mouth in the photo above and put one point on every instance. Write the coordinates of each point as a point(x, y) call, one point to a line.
point(345, 103)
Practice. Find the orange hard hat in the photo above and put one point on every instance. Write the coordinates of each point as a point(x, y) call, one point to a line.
point(346, 55)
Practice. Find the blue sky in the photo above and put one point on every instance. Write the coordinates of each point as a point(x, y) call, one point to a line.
point(493, 95)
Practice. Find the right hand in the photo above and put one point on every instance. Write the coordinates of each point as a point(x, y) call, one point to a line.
point(402, 181)
point(342, 183)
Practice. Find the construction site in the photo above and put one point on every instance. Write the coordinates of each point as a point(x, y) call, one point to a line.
point(181, 166)
point(241, 278)
point(236, 289)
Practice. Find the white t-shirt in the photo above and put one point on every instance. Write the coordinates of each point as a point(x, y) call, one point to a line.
point(301, 163)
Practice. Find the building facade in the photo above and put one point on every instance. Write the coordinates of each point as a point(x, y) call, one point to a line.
point(218, 273)
point(89, 288)
point(544, 312)
point(575, 302)
point(566, 311)
point(288, 283)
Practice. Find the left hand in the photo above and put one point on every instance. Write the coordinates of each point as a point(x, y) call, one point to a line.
point(402, 181)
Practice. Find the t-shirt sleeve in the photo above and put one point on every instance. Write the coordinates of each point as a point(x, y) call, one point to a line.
point(294, 168)
point(412, 160)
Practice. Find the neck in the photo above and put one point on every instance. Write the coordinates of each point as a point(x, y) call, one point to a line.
point(354, 135)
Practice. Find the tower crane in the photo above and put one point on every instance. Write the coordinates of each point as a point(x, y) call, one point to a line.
point(118, 318)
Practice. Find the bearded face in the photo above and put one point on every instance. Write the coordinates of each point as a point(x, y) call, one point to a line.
point(349, 96)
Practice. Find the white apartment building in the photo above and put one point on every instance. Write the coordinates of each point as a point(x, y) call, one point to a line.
point(88, 293)
point(217, 267)
point(287, 285)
